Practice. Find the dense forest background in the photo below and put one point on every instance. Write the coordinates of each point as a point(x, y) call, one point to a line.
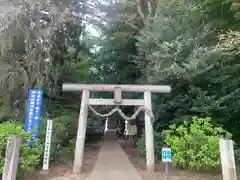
point(191, 45)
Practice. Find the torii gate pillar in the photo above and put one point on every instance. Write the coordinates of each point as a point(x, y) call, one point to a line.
point(82, 123)
point(149, 136)
point(81, 133)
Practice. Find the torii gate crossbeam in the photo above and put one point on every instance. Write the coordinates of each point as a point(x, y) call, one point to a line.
point(82, 123)
point(111, 87)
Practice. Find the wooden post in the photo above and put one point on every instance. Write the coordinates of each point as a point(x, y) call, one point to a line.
point(82, 124)
point(12, 158)
point(149, 135)
point(227, 160)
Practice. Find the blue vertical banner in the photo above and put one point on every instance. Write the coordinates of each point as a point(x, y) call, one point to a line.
point(33, 111)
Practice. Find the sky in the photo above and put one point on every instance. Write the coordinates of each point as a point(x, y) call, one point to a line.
point(5, 6)
point(92, 30)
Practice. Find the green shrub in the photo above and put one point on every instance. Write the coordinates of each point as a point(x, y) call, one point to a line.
point(237, 156)
point(64, 134)
point(94, 129)
point(195, 145)
point(237, 160)
point(141, 144)
point(29, 157)
point(60, 134)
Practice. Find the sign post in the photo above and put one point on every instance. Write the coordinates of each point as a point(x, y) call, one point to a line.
point(47, 145)
point(166, 157)
point(33, 111)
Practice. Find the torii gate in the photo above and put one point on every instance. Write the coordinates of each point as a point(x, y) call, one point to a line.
point(117, 89)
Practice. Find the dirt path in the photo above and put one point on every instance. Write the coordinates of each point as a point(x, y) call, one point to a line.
point(64, 167)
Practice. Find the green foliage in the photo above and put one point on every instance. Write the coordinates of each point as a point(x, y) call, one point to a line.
point(237, 160)
point(158, 143)
point(29, 157)
point(64, 134)
point(195, 145)
point(61, 55)
point(95, 129)
point(141, 146)
point(193, 46)
point(115, 59)
point(60, 134)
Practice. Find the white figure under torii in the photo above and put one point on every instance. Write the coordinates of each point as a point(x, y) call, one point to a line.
point(129, 129)
point(106, 126)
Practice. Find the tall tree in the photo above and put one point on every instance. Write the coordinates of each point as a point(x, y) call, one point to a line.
point(30, 36)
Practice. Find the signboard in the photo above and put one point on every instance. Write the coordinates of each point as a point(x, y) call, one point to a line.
point(166, 155)
point(47, 145)
point(33, 111)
